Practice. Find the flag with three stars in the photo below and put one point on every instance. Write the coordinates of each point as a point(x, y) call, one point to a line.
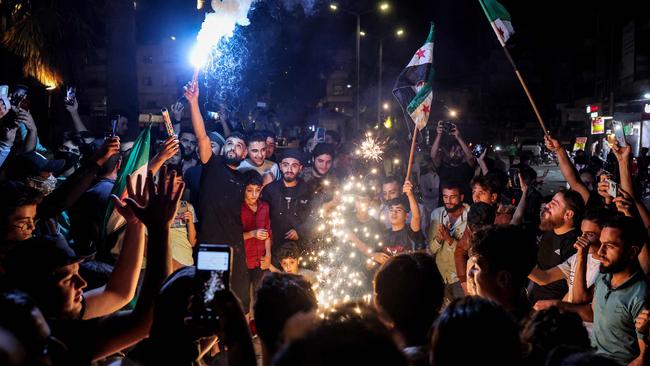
point(413, 89)
point(499, 19)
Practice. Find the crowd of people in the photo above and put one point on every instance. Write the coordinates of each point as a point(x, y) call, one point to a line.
point(468, 262)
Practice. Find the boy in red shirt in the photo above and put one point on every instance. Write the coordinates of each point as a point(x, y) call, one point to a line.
point(256, 223)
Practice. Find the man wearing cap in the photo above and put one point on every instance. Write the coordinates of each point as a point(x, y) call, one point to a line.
point(289, 200)
point(34, 170)
point(220, 194)
point(48, 270)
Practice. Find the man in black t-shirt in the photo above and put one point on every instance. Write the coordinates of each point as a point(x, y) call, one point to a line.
point(220, 195)
point(559, 223)
point(455, 164)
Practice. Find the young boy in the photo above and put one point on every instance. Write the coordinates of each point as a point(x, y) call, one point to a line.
point(403, 237)
point(256, 222)
point(289, 256)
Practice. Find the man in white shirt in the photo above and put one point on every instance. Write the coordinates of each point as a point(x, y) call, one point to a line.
point(448, 223)
point(257, 160)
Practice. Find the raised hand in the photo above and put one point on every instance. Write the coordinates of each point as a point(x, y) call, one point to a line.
point(552, 144)
point(160, 209)
point(26, 118)
point(407, 188)
point(73, 106)
point(109, 148)
point(169, 148)
point(177, 111)
point(191, 93)
point(137, 194)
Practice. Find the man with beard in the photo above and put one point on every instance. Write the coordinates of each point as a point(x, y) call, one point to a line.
point(187, 141)
point(620, 292)
point(220, 194)
point(448, 224)
point(455, 165)
point(289, 201)
point(257, 159)
point(559, 223)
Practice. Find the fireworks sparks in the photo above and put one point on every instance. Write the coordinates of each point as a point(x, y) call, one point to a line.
point(371, 148)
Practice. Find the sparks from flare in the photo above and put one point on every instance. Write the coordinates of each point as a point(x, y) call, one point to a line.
point(371, 148)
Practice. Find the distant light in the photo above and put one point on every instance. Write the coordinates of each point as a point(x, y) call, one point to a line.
point(173, 38)
point(453, 113)
point(386, 106)
point(384, 6)
point(646, 108)
point(497, 148)
point(334, 7)
point(399, 32)
point(362, 33)
point(646, 96)
point(396, 161)
point(349, 86)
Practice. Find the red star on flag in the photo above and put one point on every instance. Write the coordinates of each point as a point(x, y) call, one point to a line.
point(425, 109)
point(500, 31)
point(420, 53)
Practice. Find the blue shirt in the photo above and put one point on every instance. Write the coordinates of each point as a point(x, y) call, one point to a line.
point(615, 310)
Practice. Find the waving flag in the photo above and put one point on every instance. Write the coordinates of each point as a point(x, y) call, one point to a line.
point(499, 19)
point(413, 89)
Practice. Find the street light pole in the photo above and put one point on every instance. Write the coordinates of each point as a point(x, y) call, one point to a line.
point(379, 83)
point(358, 99)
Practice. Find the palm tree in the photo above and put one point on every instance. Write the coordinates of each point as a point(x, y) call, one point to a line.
point(44, 34)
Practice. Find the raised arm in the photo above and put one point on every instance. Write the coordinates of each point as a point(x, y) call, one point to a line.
point(26, 119)
point(415, 210)
point(435, 148)
point(122, 284)
point(73, 109)
point(469, 158)
point(580, 293)
point(123, 330)
point(205, 149)
point(518, 216)
point(568, 169)
point(169, 149)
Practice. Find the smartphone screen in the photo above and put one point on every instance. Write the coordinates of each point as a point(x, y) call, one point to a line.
point(4, 91)
point(70, 95)
point(213, 263)
point(619, 133)
point(320, 134)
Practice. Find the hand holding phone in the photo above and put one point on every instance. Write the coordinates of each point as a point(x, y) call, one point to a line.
point(320, 134)
point(619, 133)
point(612, 188)
point(213, 268)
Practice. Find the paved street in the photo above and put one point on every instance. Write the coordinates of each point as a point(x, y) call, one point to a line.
point(554, 181)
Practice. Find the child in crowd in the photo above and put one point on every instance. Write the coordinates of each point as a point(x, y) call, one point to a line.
point(289, 256)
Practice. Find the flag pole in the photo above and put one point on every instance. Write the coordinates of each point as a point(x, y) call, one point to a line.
point(514, 66)
point(523, 85)
point(408, 169)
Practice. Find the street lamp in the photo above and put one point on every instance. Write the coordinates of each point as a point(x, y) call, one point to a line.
point(646, 96)
point(398, 33)
point(383, 7)
point(453, 113)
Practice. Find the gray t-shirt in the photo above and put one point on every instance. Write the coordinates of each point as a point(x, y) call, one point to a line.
point(267, 167)
point(615, 311)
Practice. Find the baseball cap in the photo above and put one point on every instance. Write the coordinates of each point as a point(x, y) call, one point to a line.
point(32, 163)
point(38, 257)
point(293, 153)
